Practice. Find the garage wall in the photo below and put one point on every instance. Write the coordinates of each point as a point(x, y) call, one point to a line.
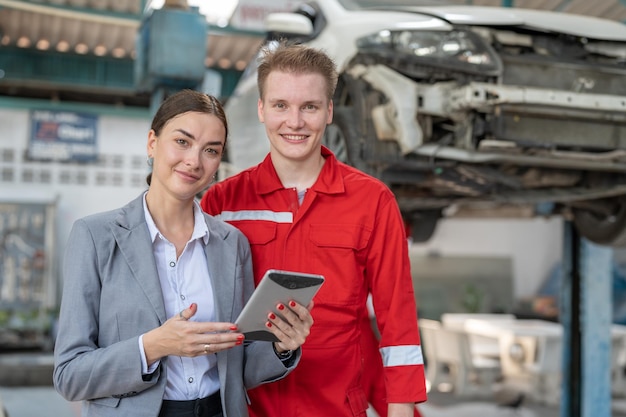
point(534, 246)
point(77, 189)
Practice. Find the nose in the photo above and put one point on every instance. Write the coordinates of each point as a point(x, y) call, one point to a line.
point(294, 118)
point(192, 159)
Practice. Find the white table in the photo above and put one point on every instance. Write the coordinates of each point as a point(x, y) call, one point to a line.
point(530, 354)
point(482, 345)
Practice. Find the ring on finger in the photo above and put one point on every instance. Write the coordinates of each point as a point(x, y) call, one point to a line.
point(206, 348)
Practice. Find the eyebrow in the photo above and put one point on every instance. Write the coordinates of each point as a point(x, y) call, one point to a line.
point(190, 136)
point(184, 132)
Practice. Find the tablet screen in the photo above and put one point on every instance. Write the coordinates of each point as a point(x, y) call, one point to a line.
point(275, 287)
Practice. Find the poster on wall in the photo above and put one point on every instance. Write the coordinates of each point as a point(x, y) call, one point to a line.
point(63, 136)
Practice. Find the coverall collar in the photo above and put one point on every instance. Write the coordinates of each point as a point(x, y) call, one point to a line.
point(328, 182)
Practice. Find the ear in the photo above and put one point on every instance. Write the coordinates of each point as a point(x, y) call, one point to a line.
point(329, 119)
point(152, 138)
point(259, 108)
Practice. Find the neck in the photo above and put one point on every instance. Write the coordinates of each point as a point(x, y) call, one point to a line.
point(300, 175)
point(169, 213)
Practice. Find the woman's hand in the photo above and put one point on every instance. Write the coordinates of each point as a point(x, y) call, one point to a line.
point(180, 337)
point(294, 329)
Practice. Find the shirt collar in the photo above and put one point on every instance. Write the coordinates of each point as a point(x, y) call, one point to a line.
point(200, 228)
point(330, 180)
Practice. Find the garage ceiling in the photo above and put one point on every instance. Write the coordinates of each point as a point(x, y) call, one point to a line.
point(103, 27)
point(104, 31)
point(92, 35)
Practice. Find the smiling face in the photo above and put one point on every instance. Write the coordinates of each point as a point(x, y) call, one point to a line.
point(295, 110)
point(186, 153)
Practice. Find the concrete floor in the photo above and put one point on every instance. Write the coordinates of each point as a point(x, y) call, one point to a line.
point(26, 391)
point(45, 401)
point(447, 405)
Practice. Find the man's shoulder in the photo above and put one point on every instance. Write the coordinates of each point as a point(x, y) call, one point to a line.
point(354, 177)
point(243, 176)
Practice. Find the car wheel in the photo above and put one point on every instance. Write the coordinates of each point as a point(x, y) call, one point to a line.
point(335, 140)
point(423, 224)
point(605, 225)
point(342, 138)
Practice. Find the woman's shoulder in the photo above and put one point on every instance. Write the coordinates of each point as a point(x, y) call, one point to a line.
point(131, 210)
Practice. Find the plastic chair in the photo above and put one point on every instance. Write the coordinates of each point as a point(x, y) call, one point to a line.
point(450, 359)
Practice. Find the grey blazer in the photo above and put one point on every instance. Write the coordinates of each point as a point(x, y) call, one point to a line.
point(112, 295)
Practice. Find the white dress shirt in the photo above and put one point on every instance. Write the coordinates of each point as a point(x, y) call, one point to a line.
point(185, 281)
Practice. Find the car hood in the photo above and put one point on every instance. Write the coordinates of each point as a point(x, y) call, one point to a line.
point(570, 24)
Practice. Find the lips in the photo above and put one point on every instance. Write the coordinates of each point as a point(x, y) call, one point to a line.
point(295, 138)
point(188, 176)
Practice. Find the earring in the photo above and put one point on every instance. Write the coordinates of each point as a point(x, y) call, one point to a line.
point(149, 161)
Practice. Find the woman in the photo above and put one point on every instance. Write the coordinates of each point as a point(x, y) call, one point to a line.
point(151, 290)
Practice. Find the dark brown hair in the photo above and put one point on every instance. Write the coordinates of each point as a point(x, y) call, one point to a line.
point(297, 59)
point(187, 101)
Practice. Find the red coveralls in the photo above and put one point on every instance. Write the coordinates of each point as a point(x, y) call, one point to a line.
point(348, 229)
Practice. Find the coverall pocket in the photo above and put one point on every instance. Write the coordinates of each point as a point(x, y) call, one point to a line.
point(357, 401)
point(258, 233)
point(338, 249)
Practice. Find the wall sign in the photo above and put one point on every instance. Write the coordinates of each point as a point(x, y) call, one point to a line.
point(63, 136)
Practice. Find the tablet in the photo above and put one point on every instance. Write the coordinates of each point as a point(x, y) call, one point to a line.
point(275, 287)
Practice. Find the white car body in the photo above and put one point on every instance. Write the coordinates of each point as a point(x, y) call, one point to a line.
point(467, 106)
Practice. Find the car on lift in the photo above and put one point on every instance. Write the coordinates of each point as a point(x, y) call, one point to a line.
point(467, 109)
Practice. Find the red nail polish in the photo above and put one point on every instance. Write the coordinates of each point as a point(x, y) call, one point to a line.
point(281, 307)
point(268, 324)
point(240, 337)
point(238, 342)
point(271, 316)
point(292, 303)
point(233, 328)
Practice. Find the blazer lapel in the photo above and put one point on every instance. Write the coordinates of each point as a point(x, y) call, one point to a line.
point(132, 236)
point(221, 259)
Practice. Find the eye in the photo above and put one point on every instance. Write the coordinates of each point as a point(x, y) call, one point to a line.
point(310, 107)
point(181, 141)
point(212, 151)
point(280, 105)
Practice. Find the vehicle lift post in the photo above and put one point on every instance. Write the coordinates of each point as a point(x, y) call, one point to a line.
point(586, 309)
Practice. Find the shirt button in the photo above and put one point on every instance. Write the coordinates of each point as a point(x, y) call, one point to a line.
point(182, 297)
point(190, 380)
point(172, 264)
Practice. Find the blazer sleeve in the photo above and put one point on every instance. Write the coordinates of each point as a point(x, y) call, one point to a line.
point(86, 367)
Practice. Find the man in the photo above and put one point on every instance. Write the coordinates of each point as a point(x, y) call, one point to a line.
point(303, 210)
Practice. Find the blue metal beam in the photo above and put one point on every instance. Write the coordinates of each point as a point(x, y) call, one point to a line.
point(101, 109)
point(72, 71)
point(586, 315)
point(31, 65)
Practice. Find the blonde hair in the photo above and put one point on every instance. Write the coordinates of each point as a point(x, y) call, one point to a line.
point(298, 59)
